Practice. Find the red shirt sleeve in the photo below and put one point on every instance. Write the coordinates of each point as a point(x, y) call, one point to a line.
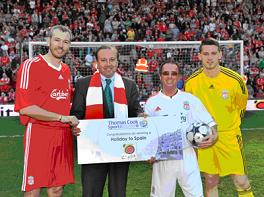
point(25, 86)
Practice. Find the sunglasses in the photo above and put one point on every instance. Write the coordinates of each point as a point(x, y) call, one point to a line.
point(167, 73)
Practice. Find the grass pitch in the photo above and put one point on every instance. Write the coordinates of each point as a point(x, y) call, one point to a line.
point(11, 162)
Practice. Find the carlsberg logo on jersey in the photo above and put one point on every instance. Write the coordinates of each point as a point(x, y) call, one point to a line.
point(59, 94)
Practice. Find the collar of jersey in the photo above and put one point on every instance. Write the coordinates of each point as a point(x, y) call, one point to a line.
point(50, 65)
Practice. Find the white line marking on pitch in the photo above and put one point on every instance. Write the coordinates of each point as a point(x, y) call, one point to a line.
point(10, 136)
point(251, 129)
point(15, 136)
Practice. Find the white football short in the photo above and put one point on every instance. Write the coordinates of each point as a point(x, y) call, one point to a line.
point(186, 172)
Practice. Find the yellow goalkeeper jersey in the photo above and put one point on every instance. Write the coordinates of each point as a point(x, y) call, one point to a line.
point(224, 96)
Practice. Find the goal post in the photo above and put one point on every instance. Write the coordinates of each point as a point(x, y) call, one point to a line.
point(230, 48)
point(81, 56)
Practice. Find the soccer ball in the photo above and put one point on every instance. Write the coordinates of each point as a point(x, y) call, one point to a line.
point(197, 132)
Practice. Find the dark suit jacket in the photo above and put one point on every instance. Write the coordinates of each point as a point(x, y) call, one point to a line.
point(79, 98)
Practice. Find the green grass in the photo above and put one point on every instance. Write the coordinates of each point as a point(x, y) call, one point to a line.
point(139, 180)
point(253, 120)
point(11, 126)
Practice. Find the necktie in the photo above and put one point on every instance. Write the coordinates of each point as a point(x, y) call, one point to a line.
point(109, 98)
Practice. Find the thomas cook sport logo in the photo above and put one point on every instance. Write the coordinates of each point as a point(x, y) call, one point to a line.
point(59, 94)
point(143, 123)
point(127, 124)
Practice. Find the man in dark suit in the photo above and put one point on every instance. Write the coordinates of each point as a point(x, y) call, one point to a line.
point(105, 94)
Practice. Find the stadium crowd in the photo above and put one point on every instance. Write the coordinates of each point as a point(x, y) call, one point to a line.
point(134, 20)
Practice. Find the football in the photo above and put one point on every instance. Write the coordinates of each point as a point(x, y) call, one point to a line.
point(197, 132)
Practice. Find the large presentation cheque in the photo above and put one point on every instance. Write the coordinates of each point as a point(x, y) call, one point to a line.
point(130, 139)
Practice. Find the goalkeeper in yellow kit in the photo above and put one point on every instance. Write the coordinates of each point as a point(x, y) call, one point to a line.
point(224, 94)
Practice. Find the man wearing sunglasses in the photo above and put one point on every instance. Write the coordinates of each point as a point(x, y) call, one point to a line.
point(173, 102)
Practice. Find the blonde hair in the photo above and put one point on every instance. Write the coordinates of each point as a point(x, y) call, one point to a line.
point(61, 28)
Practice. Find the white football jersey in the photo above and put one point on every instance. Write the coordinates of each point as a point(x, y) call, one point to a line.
point(185, 107)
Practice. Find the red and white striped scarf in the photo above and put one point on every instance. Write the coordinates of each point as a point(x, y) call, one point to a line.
point(94, 98)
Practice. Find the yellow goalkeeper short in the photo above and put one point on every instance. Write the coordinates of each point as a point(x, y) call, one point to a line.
point(225, 157)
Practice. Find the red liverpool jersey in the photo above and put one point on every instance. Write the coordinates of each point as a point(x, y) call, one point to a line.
point(41, 84)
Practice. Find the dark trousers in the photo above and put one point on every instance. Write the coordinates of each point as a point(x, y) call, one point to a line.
point(94, 176)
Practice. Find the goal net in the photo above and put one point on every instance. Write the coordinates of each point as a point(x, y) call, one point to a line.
point(140, 60)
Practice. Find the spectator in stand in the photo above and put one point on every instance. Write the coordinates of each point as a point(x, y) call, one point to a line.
point(130, 34)
point(3, 98)
point(250, 91)
point(4, 83)
point(260, 82)
point(153, 65)
point(77, 77)
point(11, 95)
point(184, 21)
point(108, 29)
point(4, 60)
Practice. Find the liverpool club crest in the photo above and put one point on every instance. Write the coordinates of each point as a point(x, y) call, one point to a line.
point(225, 94)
